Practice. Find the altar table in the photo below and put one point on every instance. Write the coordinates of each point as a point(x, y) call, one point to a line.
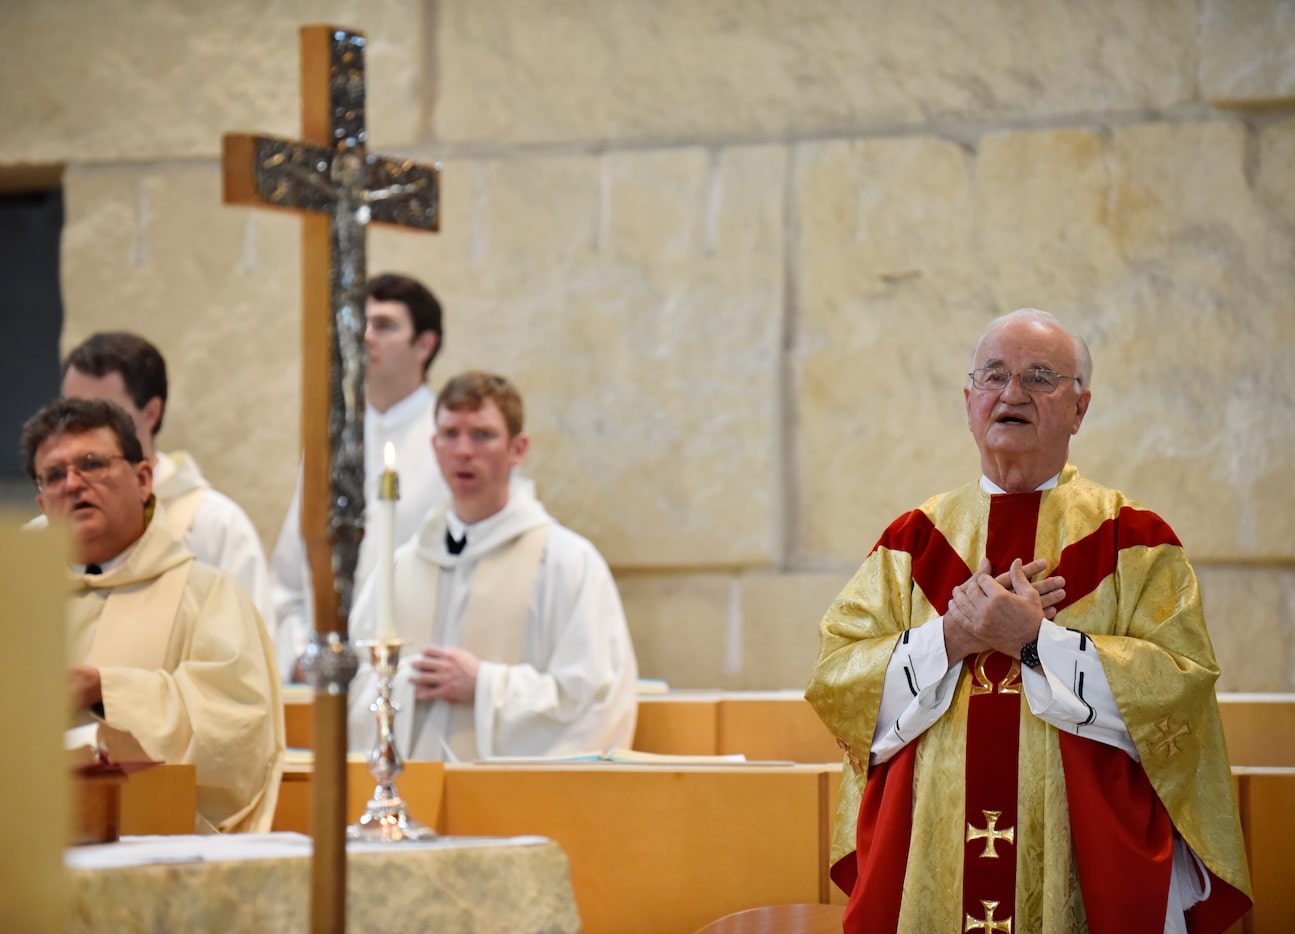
point(261, 882)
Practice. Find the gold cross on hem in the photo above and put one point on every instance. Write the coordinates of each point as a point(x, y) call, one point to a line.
point(1167, 743)
point(990, 834)
point(988, 924)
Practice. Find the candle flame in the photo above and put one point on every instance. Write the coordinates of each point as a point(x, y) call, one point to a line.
point(389, 455)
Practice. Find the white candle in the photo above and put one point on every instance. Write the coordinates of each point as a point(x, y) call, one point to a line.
point(388, 493)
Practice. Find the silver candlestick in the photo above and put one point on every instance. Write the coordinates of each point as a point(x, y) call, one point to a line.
point(385, 818)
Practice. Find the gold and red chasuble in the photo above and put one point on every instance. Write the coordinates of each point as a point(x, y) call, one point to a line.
point(1077, 819)
point(993, 739)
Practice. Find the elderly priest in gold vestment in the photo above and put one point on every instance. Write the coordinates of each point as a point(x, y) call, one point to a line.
point(1027, 752)
point(160, 644)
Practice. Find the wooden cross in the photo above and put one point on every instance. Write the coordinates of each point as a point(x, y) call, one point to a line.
point(339, 189)
point(990, 834)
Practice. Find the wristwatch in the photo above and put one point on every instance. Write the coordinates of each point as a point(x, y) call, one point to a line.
point(1030, 654)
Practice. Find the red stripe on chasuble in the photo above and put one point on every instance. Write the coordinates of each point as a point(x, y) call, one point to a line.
point(875, 878)
point(1090, 560)
point(993, 739)
point(937, 567)
point(1122, 835)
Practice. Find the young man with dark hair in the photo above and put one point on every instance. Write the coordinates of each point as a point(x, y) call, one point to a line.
point(403, 334)
point(126, 369)
point(158, 644)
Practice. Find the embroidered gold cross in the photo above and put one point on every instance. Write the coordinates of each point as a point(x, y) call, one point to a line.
point(989, 924)
point(990, 834)
point(1167, 744)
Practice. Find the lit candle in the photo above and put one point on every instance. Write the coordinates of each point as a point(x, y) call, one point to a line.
point(388, 493)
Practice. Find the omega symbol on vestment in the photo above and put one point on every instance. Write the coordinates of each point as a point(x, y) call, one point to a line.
point(983, 683)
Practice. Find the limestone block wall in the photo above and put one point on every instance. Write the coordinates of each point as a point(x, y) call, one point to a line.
point(736, 256)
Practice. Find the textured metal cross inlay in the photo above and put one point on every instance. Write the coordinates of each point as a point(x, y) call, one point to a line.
point(991, 834)
point(988, 923)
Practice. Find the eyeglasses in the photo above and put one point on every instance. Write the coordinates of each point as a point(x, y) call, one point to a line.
point(1034, 379)
point(89, 467)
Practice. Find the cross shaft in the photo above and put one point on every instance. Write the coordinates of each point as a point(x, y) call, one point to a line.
point(338, 188)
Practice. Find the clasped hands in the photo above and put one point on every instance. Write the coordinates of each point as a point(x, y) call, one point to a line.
point(1001, 613)
point(448, 674)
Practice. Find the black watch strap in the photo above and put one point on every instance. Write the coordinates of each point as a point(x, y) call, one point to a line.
point(1030, 654)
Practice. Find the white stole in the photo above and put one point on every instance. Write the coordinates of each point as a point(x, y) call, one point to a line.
point(494, 629)
point(134, 628)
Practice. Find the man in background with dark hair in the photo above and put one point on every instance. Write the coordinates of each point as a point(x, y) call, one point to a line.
point(158, 644)
point(126, 369)
point(403, 333)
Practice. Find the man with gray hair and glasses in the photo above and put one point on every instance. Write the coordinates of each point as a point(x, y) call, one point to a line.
point(1022, 682)
point(158, 643)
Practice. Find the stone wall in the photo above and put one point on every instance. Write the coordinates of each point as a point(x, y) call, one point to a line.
point(736, 256)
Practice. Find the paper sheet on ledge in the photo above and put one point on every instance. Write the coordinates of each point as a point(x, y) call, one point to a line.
point(142, 851)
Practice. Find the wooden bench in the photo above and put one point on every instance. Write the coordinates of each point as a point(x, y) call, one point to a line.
point(656, 848)
point(160, 800)
point(1260, 728)
point(780, 725)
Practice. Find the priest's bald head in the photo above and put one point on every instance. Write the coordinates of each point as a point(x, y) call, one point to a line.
point(1026, 395)
point(90, 473)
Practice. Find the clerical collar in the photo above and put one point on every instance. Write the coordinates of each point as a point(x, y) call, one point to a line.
point(456, 526)
point(992, 488)
point(477, 531)
point(106, 566)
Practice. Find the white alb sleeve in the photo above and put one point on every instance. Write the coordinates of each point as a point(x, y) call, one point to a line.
point(1072, 693)
point(918, 689)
